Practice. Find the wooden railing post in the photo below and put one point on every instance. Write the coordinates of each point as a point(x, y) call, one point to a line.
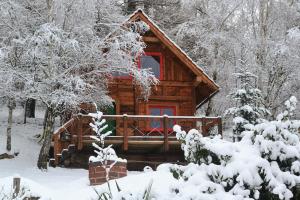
point(219, 125)
point(79, 133)
point(204, 126)
point(125, 133)
point(56, 148)
point(166, 139)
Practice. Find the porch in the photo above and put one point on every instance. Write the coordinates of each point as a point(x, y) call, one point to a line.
point(138, 138)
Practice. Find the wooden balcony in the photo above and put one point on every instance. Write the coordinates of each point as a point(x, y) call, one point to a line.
point(131, 133)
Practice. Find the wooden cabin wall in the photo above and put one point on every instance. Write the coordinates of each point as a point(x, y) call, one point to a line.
point(176, 89)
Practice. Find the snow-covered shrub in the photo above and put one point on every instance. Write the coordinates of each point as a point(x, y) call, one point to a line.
point(248, 109)
point(265, 164)
point(121, 194)
point(23, 194)
point(104, 154)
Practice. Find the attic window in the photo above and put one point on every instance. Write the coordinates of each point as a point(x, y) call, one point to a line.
point(153, 61)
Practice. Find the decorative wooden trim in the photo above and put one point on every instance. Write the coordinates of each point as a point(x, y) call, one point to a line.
point(150, 39)
point(170, 98)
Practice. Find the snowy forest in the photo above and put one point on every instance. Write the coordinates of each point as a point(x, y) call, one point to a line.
point(61, 53)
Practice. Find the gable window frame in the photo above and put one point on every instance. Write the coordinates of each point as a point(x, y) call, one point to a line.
point(161, 108)
point(161, 63)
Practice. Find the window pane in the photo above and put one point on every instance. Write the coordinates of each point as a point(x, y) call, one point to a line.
point(155, 111)
point(155, 123)
point(152, 62)
point(170, 112)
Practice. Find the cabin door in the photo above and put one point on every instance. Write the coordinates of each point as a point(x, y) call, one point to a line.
point(111, 110)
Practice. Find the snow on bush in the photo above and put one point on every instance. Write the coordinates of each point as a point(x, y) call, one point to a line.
point(104, 154)
point(248, 108)
point(263, 165)
point(28, 189)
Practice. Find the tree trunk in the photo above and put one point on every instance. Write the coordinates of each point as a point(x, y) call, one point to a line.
point(25, 117)
point(44, 152)
point(210, 104)
point(11, 106)
point(42, 137)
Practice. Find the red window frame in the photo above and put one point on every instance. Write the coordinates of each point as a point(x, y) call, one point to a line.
point(161, 69)
point(161, 107)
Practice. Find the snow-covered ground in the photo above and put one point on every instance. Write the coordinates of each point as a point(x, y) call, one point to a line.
point(57, 183)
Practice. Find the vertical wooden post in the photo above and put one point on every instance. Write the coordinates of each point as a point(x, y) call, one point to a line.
point(125, 133)
point(79, 134)
point(16, 186)
point(166, 139)
point(204, 127)
point(57, 148)
point(220, 126)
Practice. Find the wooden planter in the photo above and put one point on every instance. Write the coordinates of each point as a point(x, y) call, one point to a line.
point(97, 173)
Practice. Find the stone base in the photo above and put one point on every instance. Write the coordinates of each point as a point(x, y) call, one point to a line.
point(97, 173)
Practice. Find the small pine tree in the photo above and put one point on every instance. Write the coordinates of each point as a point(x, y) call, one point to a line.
point(248, 109)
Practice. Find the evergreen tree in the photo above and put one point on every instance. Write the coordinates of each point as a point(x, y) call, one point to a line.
point(248, 109)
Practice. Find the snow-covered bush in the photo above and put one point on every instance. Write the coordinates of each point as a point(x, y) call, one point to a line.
point(248, 109)
point(121, 194)
point(104, 154)
point(28, 190)
point(10, 195)
point(265, 164)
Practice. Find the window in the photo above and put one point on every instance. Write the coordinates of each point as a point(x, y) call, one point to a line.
point(150, 60)
point(153, 61)
point(162, 110)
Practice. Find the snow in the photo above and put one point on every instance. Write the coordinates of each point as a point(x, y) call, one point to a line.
point(294, 33)
point(268, 154)
point(224, 171)
point(59, 183)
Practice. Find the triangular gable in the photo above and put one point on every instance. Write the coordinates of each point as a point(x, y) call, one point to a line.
point(201, 75)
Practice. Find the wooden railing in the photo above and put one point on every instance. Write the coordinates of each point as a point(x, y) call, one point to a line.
point(133, 125)
point(130, 127)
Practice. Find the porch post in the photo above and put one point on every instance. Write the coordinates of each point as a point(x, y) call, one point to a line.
point(80, 132)
point(166, 139)
point(125, 133)
point(204, 126)
point(219, 125)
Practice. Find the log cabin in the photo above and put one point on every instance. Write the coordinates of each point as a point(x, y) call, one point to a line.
point(142, 130)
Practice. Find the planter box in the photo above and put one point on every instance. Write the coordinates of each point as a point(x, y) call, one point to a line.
point(97, 173)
